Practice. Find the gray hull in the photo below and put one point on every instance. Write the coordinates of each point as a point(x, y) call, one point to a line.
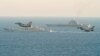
point(21, 29)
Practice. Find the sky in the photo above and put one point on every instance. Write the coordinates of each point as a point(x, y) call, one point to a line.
point(50, 8)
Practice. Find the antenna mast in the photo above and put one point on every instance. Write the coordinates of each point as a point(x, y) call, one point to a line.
point(79, 7)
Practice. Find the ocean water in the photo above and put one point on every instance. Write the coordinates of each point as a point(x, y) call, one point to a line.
point(65, 42)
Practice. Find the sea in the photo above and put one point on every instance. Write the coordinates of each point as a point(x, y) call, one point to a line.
point(62, 42)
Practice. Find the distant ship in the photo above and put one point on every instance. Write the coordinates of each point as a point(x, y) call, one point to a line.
point(73, 23)
point(26, 27)
point(33, 29)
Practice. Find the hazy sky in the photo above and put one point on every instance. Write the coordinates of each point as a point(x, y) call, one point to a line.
point(45, 8)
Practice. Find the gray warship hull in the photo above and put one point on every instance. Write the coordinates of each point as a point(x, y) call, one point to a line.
point(21, 29)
